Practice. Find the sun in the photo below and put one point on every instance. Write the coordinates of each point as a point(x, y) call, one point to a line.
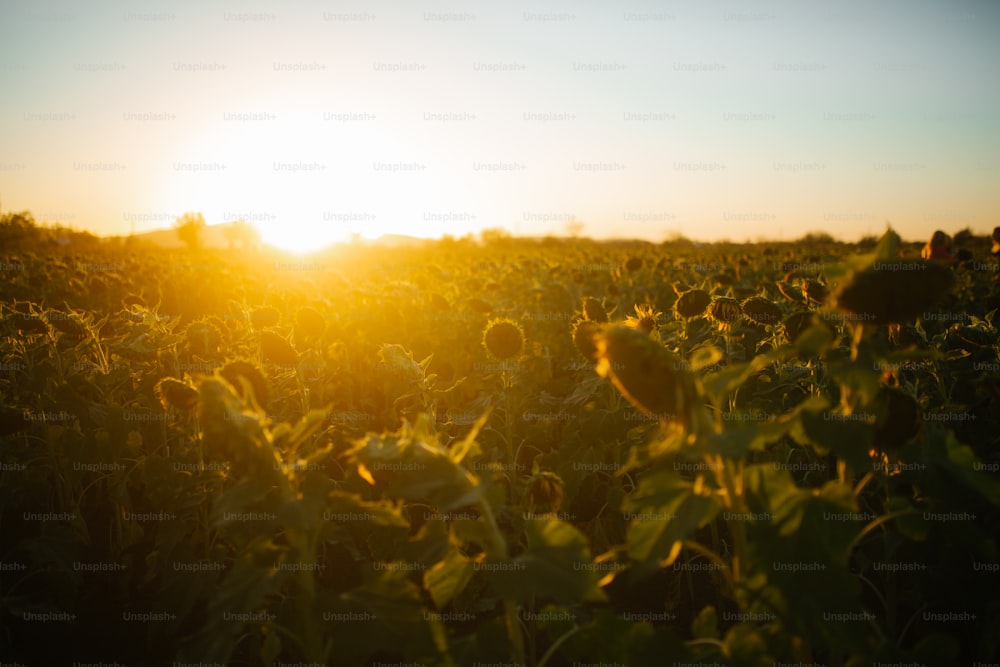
point(305, 189)
point(300, 239)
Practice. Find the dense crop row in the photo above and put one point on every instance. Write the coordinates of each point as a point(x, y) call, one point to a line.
point(559, 453)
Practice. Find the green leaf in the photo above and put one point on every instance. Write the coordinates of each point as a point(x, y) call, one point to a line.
point(770, 490)
point(798, 561)
point(960, 462)
point(350, 507)
point(663, 511)
point(815, 340)
point(936, 649)
point(733, 443)
point(448, 577)
point(704, 356)
point(719, 385)
point(849, 437)
point(417, 470)
point(271, 648)
point(910, 521)
point(468, 445)
point(556, 565)
point(430, 545)
point(242, 593)
point(386, 611)
point(302, 431)
point(233, 503)
point(470, 531)
point(747, 647)
point(706, 624)
point(859, 381)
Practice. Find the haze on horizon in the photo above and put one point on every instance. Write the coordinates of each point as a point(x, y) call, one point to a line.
point(318, 120)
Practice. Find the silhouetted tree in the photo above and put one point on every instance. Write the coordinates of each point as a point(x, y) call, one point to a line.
point(190, 229)
point(816, 238)
point(16, 228)
point(241, 232)
point(495, 235)
point(964, 237)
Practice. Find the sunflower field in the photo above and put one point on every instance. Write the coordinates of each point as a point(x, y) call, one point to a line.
point(517, 453)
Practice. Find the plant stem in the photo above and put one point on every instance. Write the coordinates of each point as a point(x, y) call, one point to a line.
point(556, 644)
point(510, 607)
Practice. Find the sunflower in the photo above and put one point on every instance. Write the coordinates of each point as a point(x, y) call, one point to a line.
point(176, 394)
point(692, 303)
point(645, 318)
point(796, 324)
point(761, 310)
point(814, 291)
point(646, 373)
point(277, 350)
point(791, 292)
point(203, 338)
point(503, 339)
point(244, 376)
point(545, 492)
point(895, 292)
point(725, 311)
point(594, 310)
point(583, 332)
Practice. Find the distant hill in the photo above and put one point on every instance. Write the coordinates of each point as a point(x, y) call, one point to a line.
point(400, 240)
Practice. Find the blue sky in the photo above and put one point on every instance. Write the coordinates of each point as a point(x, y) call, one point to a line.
point(315, 120)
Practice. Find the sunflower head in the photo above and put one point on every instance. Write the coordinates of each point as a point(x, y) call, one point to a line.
point(203, 338)
point(503, 339)
point(814, 291)
point(176, 394)
point(790, 292)
point(761, 310)
point(545, 492)
point(584, 332)
point(646, 373)
point(905, 335)
point(725, 310)
point(895, 292)
point(692, 303)
point(277, 350)
point(796, 324)
point(645, 318)
point(245, 378)
point(594, 310)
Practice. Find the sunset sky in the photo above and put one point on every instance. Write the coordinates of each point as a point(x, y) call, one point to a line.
point(315, 120)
